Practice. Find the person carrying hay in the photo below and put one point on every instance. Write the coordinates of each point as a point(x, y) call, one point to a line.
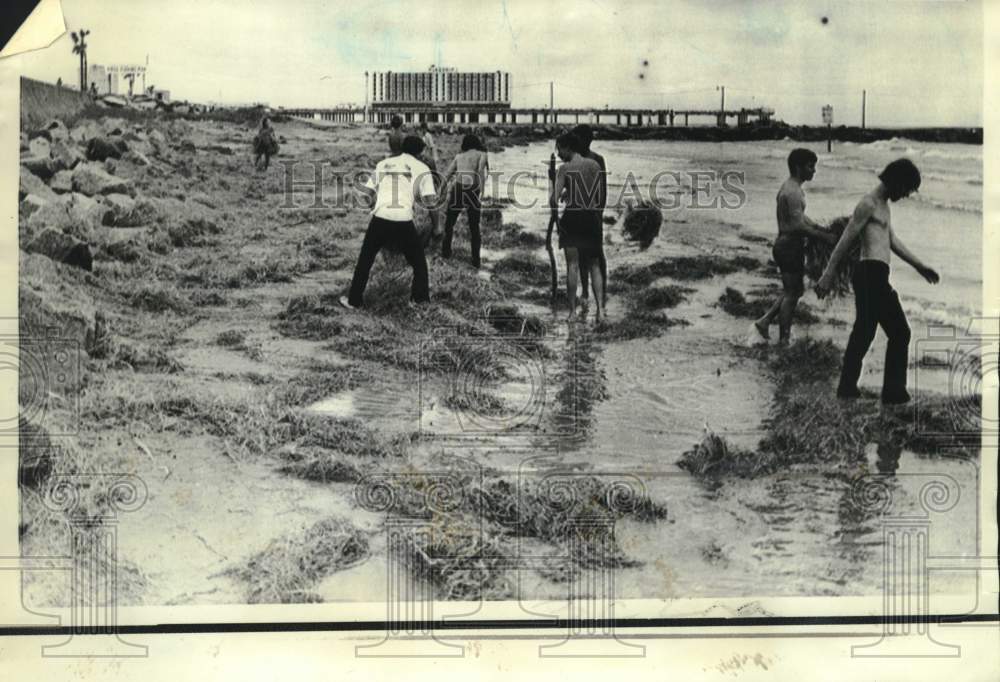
point(789, 250)
point(394, 186)
point(876, 302)
point(580, 224)
point(586, 135)
point(265, 145)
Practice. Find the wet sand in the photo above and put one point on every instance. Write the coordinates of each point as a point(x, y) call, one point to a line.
point(214, 469)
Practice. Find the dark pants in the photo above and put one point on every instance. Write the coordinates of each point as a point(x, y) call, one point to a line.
point(467, 198)
point(876, 304)
point(396, 236)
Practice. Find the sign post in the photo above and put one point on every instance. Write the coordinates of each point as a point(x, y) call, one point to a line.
point(828, 120)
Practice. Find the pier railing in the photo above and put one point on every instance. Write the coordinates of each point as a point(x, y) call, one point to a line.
point(481, 115)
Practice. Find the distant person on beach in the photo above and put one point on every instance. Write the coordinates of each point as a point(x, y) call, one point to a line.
point(396, 135)
point(789, 248)
point(430, 149)
point(586, 135)
point(395, 185)
point(875, 301)
point(265, 145)
point(580, 223)
point(469, 170)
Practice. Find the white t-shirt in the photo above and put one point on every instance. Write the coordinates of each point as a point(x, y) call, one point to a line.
point(398, 181)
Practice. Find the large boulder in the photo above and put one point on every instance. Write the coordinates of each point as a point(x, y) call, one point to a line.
point(66, 154)
point(52, 131)
point(39, 147)
point(30, 205)
point(74, 214)
point(101, 148)
point(63, 248)
point(91, 179)
point(62, 182)
point(85, 131)
point(32, 184)
point(42, 166)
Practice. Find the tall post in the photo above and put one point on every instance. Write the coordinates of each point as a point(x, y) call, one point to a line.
point(552, 99)
point(365, 119)
point(864, 102)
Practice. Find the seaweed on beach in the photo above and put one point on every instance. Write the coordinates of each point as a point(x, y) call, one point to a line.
point(284, 571)
point(818, 254)
point(736, 304)
point(713, 456)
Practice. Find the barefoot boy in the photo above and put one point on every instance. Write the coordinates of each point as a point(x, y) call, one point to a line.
point(579, 226)
point(789, 248)
point(875, 301)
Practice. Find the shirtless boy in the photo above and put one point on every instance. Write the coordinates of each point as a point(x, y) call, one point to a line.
point(580, 223)
point(875, 301)
point(789, 248)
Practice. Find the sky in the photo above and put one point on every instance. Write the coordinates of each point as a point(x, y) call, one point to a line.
point(921, 61)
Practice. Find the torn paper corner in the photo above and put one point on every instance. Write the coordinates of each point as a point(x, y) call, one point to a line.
point(42, 27)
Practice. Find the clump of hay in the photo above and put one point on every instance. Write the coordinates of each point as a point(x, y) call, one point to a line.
point(638, 325)
point(818, 254)
point(660, 297)
point(701, 267)
point(284, 571)
point(321, 466)
point(158, 298)
point(510, 236)
point(314, 317)
point(465, 559)
point(642, 223)
point(522, 268)
point(713, 457)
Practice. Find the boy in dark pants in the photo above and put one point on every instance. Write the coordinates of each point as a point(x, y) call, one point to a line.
point(876, 303)
point(394, 186)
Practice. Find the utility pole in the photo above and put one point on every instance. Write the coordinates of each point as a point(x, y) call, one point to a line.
point(722, 106)
point(552, 99)
point(864, 102)
point(366, 98)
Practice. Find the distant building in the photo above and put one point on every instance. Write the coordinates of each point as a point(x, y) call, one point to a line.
point(161, 95)
point(440, 87)
point(104, 80)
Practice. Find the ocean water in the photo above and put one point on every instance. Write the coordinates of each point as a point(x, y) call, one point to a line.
point(942, 223)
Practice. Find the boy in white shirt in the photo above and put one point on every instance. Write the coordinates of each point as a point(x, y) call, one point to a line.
point(396, 184)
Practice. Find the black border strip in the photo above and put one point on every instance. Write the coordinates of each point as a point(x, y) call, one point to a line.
point(522, 624)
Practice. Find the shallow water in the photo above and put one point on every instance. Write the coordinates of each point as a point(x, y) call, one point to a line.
point(798, 532)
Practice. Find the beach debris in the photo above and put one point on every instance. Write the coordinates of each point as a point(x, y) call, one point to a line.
point(818, 254)
point(284, 570)
point(63, 248)
point(642, 223)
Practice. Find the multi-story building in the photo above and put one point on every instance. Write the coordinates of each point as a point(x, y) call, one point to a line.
point(438, 87)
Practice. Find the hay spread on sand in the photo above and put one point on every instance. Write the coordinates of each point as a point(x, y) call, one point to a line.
point(288, 566)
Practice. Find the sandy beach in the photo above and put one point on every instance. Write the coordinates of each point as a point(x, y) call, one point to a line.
point(228, 379)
